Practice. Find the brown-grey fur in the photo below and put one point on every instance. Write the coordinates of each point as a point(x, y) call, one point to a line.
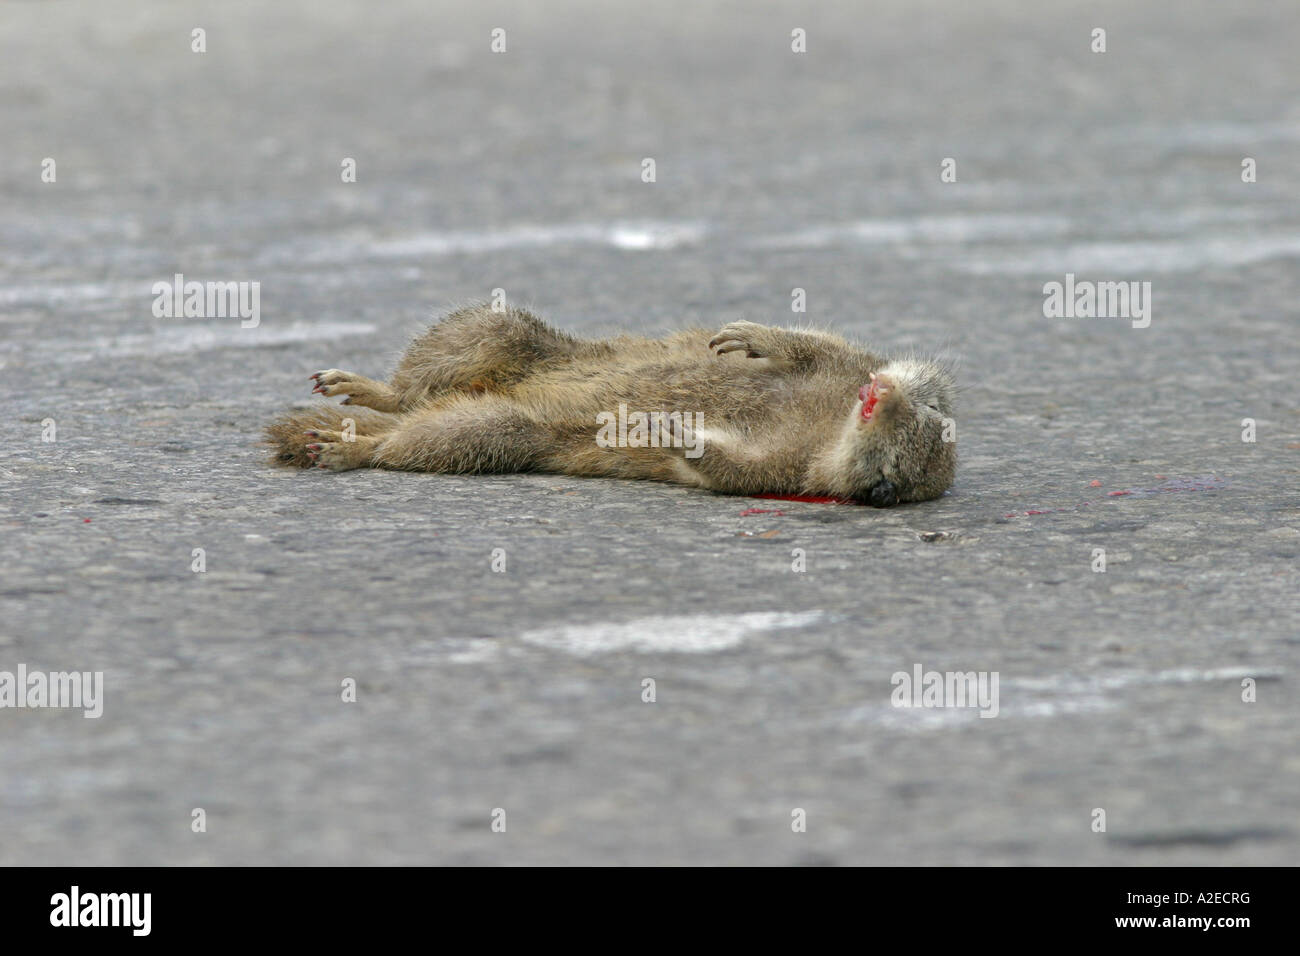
point(501, 391)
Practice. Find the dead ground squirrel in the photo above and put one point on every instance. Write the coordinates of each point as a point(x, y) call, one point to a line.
point(750, 409)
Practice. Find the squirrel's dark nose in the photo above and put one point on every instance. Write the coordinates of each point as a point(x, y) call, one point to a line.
point(883, 494)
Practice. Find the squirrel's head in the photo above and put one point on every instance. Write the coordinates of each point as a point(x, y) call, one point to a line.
point(900, 442)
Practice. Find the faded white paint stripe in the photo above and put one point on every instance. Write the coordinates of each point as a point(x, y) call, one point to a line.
point(670, 634)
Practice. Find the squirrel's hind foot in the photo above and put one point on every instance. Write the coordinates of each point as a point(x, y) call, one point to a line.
point(337, 455)
point(359, 389)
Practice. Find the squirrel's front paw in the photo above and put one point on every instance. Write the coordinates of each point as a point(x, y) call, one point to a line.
point(739, 336)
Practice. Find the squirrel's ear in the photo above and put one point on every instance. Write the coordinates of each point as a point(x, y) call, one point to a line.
point(882, 494)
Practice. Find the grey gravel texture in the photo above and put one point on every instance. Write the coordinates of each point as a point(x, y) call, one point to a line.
point(522, 689)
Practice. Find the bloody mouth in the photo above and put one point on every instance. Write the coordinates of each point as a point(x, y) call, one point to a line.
point(870, 394)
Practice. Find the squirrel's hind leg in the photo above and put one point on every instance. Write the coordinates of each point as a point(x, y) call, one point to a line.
point(359, 389)
point(464, 435)
point(476, 350)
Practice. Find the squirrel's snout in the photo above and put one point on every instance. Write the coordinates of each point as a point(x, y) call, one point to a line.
point(882, 494)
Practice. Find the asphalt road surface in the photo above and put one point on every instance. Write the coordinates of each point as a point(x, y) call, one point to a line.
point(1161, 690)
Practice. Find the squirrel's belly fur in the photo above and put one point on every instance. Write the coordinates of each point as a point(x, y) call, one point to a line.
point(749, 409)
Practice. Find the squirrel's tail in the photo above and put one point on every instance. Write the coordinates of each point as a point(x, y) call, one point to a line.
point(288, 441)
